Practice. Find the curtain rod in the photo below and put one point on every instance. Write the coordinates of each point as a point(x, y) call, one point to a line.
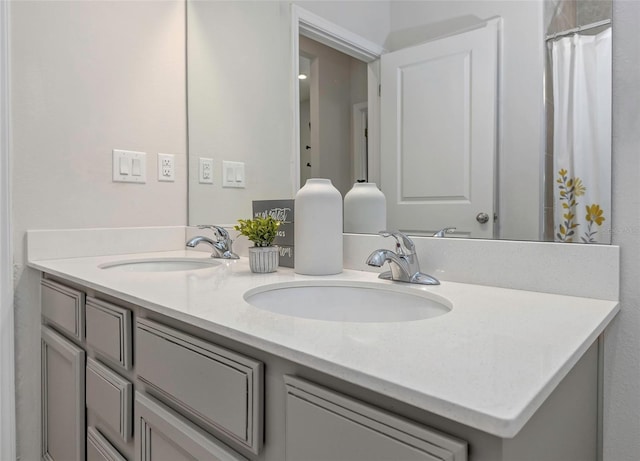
point(575, 30)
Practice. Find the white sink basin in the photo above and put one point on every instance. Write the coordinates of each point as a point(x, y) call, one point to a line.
point(161, 264)
point(348, 301)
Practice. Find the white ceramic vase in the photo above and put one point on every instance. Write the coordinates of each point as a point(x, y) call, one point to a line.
point(318, 229)
point(263, 260)
point(365, 209)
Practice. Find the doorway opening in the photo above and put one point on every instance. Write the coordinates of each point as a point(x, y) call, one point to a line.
point(333, 115)
point(306, 25)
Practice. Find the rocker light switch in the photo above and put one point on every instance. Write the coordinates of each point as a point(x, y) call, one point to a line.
point(135, 167)
point(129, 166)
point(124, 165)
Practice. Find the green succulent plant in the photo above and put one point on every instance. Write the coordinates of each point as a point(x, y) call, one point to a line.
point(261, 231)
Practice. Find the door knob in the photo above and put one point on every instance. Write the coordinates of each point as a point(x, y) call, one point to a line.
point(482, 218)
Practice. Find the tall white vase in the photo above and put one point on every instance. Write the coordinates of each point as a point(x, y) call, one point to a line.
point(365, 209)
point(318, 229)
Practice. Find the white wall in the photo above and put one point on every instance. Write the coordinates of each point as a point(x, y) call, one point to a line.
point(622, 344)
point(88, 77)
point(520, 159)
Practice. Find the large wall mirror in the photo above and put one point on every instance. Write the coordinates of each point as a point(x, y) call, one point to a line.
point(486, 107)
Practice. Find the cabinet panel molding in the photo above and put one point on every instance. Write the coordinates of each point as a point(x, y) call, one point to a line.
point(63, 307)
point(99, 448)
point(218, 388)
point(324, 425)
point(108, 331)
point(63, 398)
point(110, 397)
point(164, 435)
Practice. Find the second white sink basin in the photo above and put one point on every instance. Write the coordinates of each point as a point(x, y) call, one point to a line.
point(348, 301)
point(161, 264)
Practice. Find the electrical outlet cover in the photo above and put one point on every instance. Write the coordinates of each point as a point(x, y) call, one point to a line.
point(166, 167)
point(205, 170)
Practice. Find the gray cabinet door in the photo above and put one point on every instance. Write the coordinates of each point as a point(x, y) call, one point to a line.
point(63, 391)
point(323, 425)
point(163, 435)
point(99, 448)
point(109, 397)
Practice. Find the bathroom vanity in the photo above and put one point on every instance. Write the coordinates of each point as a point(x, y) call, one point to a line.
point(175, 365)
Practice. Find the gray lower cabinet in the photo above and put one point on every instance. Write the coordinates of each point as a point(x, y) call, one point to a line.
point(323, 425)
point(150, 391)
point(63, 398)
point(164, 435)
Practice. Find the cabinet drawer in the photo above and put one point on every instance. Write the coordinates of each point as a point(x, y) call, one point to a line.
point(324, 425)
point(99, 448)
point(63, 307)
point(108, 331)
point(110, 397)
point(166, 436)
point(214, 386)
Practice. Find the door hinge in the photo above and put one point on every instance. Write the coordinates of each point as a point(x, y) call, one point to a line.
point(379, 90)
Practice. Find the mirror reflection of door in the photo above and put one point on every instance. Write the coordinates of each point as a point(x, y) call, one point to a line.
point(439, 128)
point(337, 88)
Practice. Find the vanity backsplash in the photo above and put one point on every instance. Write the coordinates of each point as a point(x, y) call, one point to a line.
point(576, 270)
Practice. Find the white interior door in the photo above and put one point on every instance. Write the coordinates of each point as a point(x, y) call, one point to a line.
point(439, 133)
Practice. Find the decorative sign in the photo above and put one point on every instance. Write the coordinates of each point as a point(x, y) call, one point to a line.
point(282, 210)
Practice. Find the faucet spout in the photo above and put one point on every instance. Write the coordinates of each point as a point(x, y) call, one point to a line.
point(195, 241)
point(379, 257)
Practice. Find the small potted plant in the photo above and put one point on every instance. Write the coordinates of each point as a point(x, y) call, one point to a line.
point(263, 256)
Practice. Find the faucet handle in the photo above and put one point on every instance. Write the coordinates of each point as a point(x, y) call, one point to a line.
point(220, 232)
point(402, 240)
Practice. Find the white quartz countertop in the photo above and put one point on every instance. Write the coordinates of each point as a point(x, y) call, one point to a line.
point(489, 363)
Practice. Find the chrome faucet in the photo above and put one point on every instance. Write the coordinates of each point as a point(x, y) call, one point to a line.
point(403, 262)
point(444, 232)
point(222, 246)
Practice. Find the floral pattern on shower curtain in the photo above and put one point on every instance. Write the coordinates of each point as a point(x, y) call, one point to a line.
point(581, 66)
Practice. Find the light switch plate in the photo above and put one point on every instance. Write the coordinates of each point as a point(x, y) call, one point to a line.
point(233, 174)
point(205, 170)
point(126, 170)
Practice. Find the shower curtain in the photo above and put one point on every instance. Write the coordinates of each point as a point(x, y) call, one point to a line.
point(581, 66)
